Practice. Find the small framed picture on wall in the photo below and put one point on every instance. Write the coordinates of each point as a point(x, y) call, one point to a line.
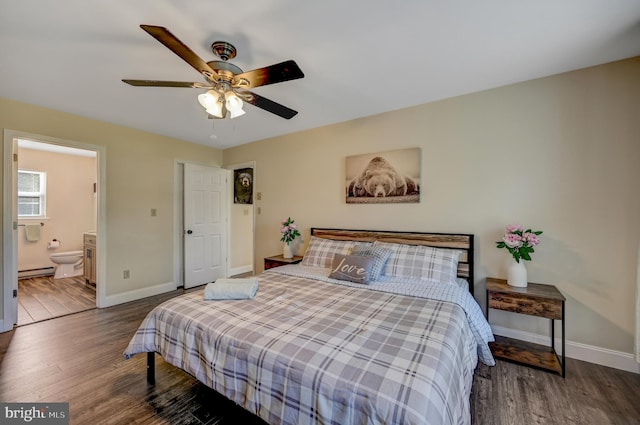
point(243, 186)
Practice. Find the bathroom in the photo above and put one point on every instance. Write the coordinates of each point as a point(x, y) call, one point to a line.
point(56, 208)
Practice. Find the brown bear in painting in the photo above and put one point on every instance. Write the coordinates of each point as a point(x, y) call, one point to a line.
point(243, 190)
point(381, 179)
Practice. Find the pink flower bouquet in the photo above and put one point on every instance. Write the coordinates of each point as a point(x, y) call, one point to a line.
point(519, 242)
point(289, 231)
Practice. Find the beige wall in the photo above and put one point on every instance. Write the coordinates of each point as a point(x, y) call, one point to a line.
point(559, 154)
point(70, 205)
point(140, 176)
point(241, 248)
point(241, 228)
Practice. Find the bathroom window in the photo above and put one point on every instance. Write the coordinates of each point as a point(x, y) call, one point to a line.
point(31, 193)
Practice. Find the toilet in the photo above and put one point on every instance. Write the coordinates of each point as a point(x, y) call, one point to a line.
point(68, 264)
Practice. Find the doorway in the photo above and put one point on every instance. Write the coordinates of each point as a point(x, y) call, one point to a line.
point(56, 209)
point(53, 236)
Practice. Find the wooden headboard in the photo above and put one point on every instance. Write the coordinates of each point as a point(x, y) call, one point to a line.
point(459, 241)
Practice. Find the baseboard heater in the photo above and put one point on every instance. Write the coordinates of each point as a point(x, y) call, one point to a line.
point(43, 271)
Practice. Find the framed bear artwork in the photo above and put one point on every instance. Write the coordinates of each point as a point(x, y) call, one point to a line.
point(383, 177)
point(243, 186)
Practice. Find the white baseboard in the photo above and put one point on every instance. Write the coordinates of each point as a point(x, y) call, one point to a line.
point(240, 270)
point(41, 271)
point(577, 350)
point(125, 297)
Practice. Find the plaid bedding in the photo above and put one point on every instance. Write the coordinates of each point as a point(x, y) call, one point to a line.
point(309, 351)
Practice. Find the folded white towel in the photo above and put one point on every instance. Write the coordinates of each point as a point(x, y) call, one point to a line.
point(32, 232)
point(231, 289)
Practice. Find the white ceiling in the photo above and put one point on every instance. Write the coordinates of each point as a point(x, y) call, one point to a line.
point(360, 57)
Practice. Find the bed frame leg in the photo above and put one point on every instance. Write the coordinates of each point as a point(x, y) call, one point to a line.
point(151, 368)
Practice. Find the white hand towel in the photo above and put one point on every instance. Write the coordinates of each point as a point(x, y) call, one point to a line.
point(32, 232)
point(231, 289)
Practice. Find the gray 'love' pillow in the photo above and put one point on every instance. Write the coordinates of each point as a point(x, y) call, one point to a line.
point(353, 268)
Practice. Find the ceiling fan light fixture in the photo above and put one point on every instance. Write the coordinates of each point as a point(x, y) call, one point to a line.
point(216, 110)
point(208, 99)
point(233, 102)
point(236, 113)
point(212, 102)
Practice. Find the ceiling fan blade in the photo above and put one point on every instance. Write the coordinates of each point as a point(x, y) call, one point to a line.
point(268, 105)
point(277, 73)
point(179, 48)
point(154, 83)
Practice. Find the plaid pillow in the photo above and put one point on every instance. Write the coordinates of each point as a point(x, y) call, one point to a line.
point(380, 254)
point(421, 262)
point(320, 251)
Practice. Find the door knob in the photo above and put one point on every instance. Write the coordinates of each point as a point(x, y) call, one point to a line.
point(189, 232)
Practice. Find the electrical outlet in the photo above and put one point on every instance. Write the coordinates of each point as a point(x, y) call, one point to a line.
point(259, 195)
point(126, 274)
point(154, 212)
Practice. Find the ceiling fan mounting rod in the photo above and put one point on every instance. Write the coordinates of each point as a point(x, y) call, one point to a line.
point(223, 50)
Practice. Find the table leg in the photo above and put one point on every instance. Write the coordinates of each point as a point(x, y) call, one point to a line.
point(151, 368)
point(563, 338)
point(553, 336)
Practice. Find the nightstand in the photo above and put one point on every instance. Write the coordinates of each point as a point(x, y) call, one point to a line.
point(279, 260)
point(534, 300)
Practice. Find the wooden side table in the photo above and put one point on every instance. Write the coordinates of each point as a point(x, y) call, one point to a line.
point(279, 260)
point(534, 300)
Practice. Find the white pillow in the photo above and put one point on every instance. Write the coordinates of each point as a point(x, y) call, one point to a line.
point(320, 251)
point(421, 262)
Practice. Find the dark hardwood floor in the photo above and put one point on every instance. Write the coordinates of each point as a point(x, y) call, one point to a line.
point(43, 297)
point(78, 359)
point(589, 395)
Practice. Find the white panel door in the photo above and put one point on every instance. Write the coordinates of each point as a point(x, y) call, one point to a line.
point(206, 224)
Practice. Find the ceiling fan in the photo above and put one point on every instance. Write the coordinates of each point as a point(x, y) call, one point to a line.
point(227, 84)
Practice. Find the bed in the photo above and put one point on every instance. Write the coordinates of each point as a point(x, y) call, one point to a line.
point(318, 345)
